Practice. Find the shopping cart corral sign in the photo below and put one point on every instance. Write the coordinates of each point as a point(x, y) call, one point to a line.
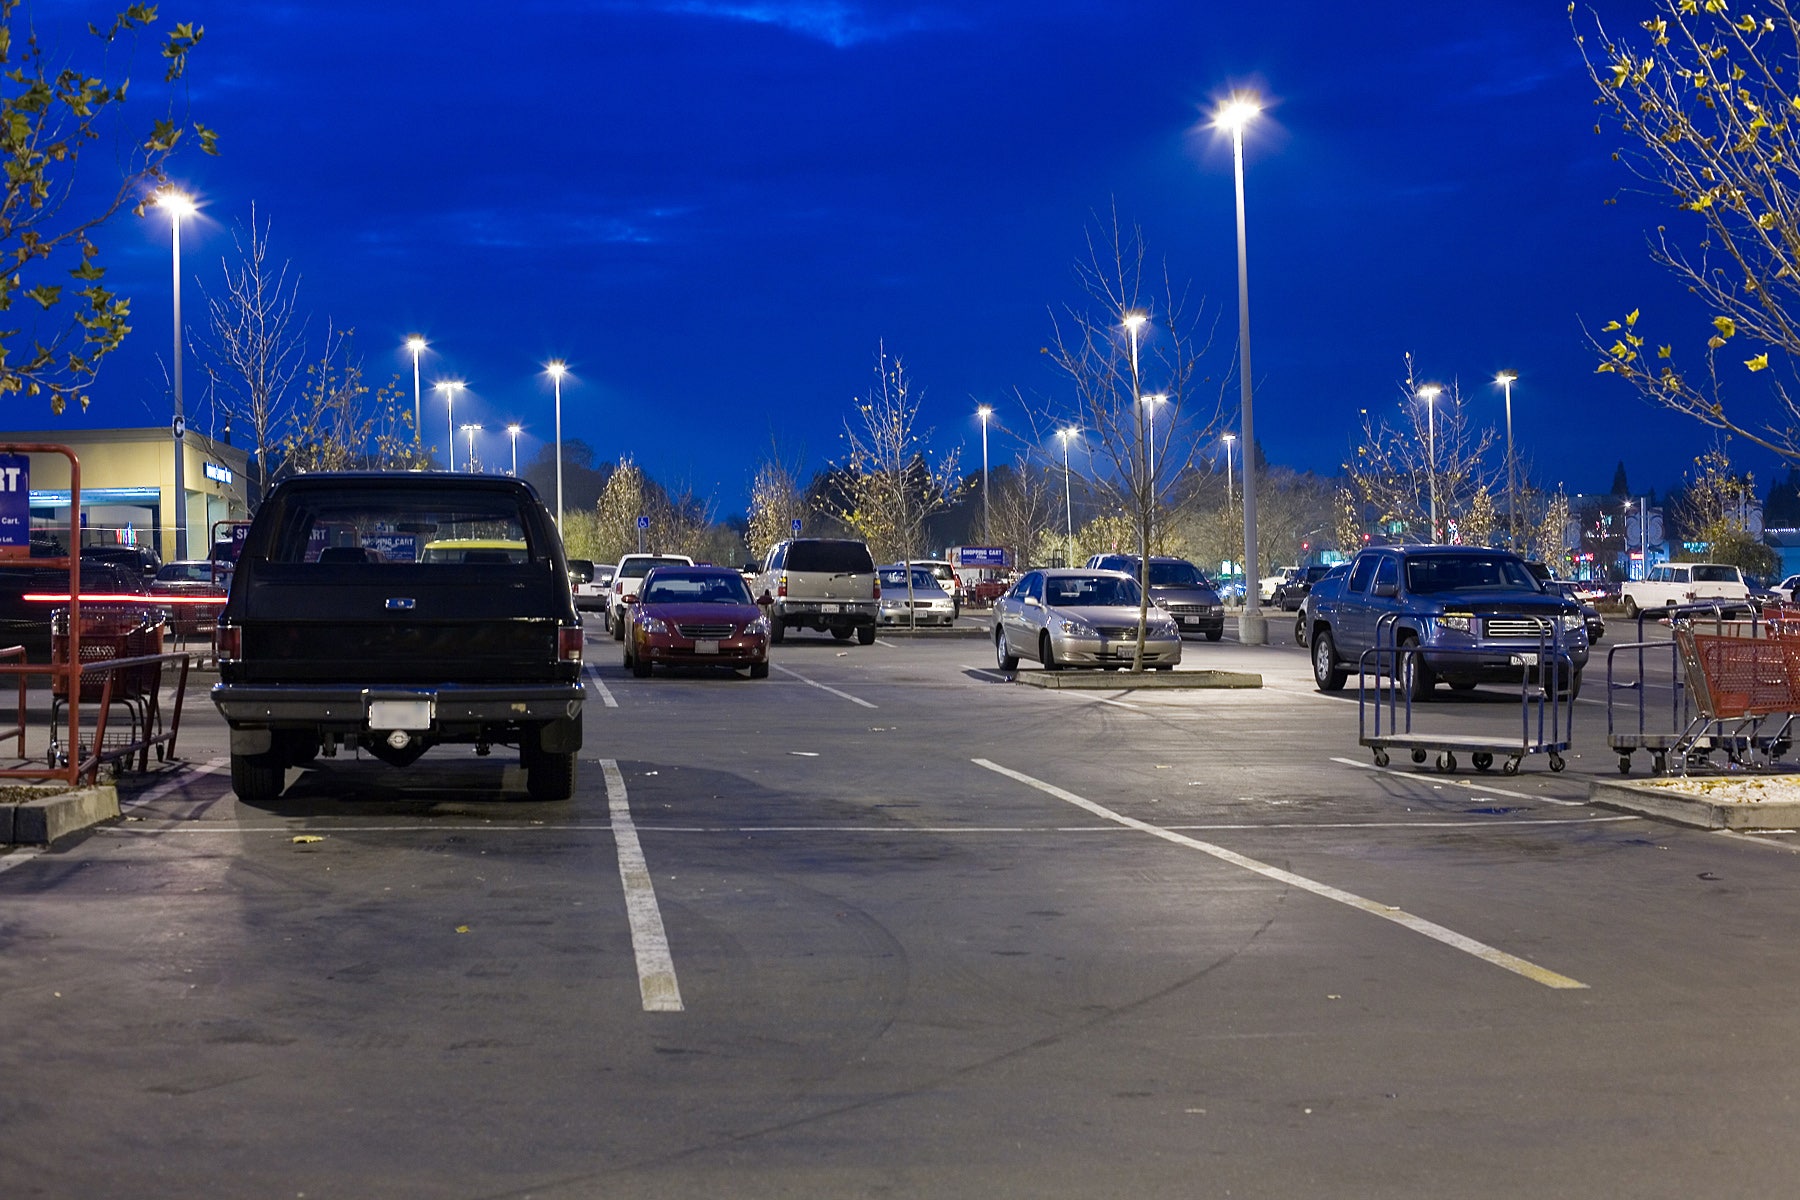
point(15, 505)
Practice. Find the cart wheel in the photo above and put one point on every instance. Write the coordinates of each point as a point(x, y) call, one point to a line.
point(1381, 758)
point(1418, 756)
point(1511, 766)
point(1556, 761)
point(1446, 762)
point(1660, 763)
point(1624, 764)
point(1482, 760)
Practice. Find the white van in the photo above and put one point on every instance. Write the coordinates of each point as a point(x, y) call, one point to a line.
point(1686, 583)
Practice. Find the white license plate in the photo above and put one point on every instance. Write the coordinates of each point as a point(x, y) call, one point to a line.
point(706, 646)
point(1524, 660)
point(1190, 620)
point(828, 608)
point(400, 714)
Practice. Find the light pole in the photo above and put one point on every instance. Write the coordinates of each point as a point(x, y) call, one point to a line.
point(514, 430)
point(471, 430)
point(1228, 439)
point(415, 343)
point(178, 205)
point(1064, 435)
point(1253, 628)
point(557, 369)
point(1429, 394)
point(447, 388)
point(987, 528)
point(1505, 380)
point(1134, 321)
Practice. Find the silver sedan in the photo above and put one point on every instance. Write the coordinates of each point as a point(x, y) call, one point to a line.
point(927, 604)
point(1080, 618)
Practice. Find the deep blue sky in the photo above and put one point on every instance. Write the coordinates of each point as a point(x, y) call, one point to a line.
point(715, 210)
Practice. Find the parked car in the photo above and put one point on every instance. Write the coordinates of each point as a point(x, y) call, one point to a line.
point(1596, 626)
point(1292, 591)
point(1460, 614)
point(823, 584)
point(1303, 619)
point(363, 646)
point(141, 559)
point(924, 603)
point(1673, 584)
point(1786, 588)
point(192, 591)
point(1177, 587)
point(587, 586)
point(628, 575)
point(1080, 618)
point(944, 572)
point(696, 617)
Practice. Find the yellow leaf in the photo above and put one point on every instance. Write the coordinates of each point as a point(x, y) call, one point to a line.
point(1632, 319)
point(1610, 326)
point(1605, 369)
point(1726, 326)
point(1713, 343)
point(462, 929)
point(307, 838)
point(1665, 351)
point(1766, 221)
point(1759, 363)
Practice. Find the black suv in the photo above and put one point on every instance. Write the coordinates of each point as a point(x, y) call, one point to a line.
point(1177, 587)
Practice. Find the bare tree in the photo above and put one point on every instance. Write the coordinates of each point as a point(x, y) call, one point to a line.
point(776, 502)
point(255, 346)
point(888, 486)
point(1116, 353)
point(1026, 506)
point(341, 423)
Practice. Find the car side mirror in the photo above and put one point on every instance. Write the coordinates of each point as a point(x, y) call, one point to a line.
point(1388, 590)
point(766, 600)
point(1033, 602)
point(631, 599)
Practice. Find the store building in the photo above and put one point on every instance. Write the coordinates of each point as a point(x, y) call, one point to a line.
point(128, 486)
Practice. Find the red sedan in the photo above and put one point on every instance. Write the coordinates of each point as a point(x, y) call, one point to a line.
point(696, 616)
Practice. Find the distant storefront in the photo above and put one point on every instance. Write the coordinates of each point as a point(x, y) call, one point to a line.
point(128, 486)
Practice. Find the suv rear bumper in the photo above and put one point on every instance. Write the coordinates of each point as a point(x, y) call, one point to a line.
point(341, 707)
point(825, 614)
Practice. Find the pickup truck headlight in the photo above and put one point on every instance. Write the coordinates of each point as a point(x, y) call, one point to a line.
point(1572, 621)
point(1461, 624)
point(1076, 628)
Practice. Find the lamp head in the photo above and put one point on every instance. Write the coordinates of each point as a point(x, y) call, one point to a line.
point(1429, 392)
point(1155, 398)
point(177, 204)
point(448, 387)
point(1228, 438)
point(1505, 377)
point(515, 429)
point(1236, 113)
point(556, 367)
point(415, 343)
point(1135, 320)
point(984, 412)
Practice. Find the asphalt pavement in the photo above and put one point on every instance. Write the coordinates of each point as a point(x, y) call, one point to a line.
point(888, 924)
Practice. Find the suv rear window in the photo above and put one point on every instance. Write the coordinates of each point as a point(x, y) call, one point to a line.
point(637, 568)
point(351, 524)
point(844, 558)
point(1709, 573)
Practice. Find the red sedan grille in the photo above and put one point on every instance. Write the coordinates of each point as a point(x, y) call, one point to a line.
point(698, 629)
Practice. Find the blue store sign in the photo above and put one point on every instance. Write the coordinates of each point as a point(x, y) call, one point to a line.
point(15, 504)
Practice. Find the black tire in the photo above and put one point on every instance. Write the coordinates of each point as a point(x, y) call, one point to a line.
point(1482, 760)
point(759, 670)
point(257, 778)
point(1328, 676)
point(1416, 680)
point(1008, 662)
point(1631, 608)
point(843, 635)
point(777, 631)
point(550, 777)
point(1046, 655)
point(1300, 630)
point(1213, 635)
point(1462, 685)
point(865, 635)
point(618, 628)
point(640, 667)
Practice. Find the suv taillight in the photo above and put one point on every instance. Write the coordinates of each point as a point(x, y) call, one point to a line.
point(231, 642)
point(569, 643)
point(781, 587)
point(877, 589)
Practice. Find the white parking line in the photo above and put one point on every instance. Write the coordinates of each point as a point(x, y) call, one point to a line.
point(822, 687)
point(592, 673)
point(1461, 783)
point(210, 767)
point(1430, 929)
point(656, 969)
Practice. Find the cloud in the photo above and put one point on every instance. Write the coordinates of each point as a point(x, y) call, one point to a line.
point(841, 23)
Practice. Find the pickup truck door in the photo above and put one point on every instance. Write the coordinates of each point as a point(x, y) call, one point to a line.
point(1380, 605)
point(1351, 626)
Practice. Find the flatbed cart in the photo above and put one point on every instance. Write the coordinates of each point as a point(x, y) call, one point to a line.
point(1546, 708)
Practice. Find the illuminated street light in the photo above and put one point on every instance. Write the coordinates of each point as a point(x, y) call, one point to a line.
point(1228, 439)
point(514, 430)
point(1066, 436)
point(447, 388)
point(471, 430)
point(557, 370)
point(1505, 379)
point(416, 344)
point(1253, 629)
point(1429, 394)
point(987, 529)
point(178, 205)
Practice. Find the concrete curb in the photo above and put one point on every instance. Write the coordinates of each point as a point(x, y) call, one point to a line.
point(1110, 681)
point(1686, 809)
point(42, 820)
point(934, 631)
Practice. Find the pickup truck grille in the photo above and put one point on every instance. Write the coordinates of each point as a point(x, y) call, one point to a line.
point(703, 629)
point(1531, 628)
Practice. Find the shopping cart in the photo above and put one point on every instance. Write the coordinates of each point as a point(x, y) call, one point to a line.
point(109, 634)
point(1740, 678)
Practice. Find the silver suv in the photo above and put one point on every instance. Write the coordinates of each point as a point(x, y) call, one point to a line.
point(822, 584)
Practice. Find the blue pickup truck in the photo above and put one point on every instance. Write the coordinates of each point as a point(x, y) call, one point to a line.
point(1458, 614)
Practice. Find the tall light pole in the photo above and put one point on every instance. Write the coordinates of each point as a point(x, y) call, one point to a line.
point(1064, 435)
point(1429, 394)
point(447, 388)
point(471, 430)
point(514, 430)
point(1505, 380)
point(987, 527)
point(1253, 628)
point(178, 205)
point(1134, 321)
point(1228, 439)
point(557, 369)
point(416, 344)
